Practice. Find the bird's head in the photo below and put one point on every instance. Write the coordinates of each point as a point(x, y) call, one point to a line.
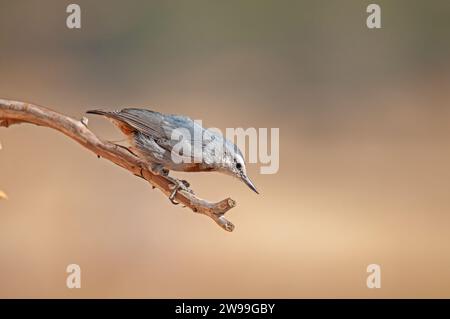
point(235, 166)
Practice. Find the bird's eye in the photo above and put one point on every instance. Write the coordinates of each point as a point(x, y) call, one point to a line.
point(238, 165)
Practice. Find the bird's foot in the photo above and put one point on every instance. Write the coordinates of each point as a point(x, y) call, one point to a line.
point(158, 169)
point(176, 186)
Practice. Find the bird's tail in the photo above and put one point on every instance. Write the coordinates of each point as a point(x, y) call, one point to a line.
point(101, 112)
point(117, 120)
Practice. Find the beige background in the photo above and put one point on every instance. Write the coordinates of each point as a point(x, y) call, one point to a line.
point(364, 128)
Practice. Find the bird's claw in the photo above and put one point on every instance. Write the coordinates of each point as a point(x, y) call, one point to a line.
point(178, 184)
point(158, 169)
point(172, 196)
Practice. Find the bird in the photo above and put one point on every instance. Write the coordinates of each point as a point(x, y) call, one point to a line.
point(153, 137)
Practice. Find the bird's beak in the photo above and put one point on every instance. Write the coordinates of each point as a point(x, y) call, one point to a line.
point(249, 183)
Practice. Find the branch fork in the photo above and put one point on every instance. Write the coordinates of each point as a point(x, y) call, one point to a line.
point(15, 112)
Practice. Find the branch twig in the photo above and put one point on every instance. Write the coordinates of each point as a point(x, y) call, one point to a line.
point(14, 112)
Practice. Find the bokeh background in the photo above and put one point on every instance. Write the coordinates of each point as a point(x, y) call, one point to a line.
point(364, 148)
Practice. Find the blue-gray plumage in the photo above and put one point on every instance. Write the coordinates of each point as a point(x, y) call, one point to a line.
point(158, 138)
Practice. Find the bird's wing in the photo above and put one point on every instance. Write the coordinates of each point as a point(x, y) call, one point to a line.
point(145, 121)
point(196, 142)
point(161, 128)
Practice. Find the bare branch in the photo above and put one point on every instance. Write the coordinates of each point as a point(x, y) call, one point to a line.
point(14, 112)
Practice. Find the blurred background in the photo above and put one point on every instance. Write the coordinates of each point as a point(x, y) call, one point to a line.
point(364, 149)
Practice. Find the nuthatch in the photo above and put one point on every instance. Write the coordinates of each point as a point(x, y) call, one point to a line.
point(151, 136)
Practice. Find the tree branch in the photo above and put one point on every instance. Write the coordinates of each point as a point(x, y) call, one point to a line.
point(14, 112)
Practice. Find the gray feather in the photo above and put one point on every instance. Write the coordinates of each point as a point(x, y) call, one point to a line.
point(153, 135)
